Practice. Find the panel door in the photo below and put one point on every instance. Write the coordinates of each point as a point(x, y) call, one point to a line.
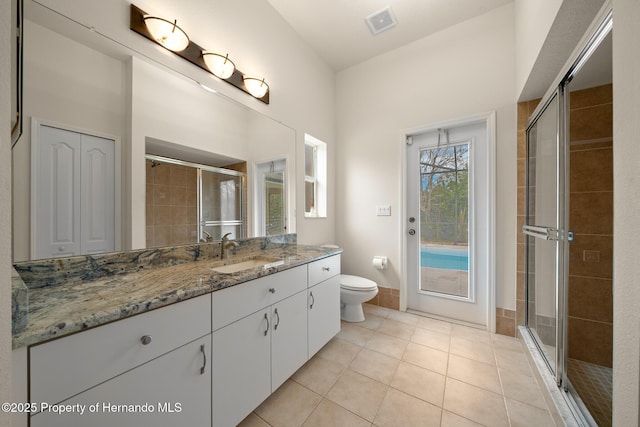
point(97, 210)
point(73, 185)
point(56, 181)
point(241, 368)
point(324, 313)
point(288, 337)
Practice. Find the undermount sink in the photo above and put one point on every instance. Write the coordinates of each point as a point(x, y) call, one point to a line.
point(257, 262)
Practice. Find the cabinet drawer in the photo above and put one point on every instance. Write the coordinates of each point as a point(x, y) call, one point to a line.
point(69, 365)
point(238, 301)
point(323, 269)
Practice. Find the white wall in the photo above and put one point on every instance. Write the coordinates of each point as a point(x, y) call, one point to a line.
point(533, 22)
point(461, 71)
point(626, 205)
point(5, 210)
point(260, 43)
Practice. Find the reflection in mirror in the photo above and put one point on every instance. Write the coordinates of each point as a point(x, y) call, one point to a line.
point(272, 197)
point(78, 80)
point(190, 203)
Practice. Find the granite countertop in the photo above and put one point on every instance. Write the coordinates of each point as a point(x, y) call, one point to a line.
point(76, 305)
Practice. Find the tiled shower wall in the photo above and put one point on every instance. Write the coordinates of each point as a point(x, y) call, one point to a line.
point(508, 320)
point(590, 324)
point(171, 205)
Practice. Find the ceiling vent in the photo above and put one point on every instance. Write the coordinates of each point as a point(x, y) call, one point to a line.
point(381, 20)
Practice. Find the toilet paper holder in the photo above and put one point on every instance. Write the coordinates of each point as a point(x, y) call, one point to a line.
point(380, 262)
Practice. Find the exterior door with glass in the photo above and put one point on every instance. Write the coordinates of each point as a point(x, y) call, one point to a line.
point(448, 217)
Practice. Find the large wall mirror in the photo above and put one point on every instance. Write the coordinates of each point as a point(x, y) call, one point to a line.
point(94, 111)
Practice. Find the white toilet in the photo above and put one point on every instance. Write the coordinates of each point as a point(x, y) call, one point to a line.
point(355, 290)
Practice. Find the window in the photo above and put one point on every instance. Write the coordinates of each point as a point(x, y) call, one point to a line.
point(315, 178)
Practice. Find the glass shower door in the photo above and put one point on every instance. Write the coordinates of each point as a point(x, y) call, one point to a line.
point(543, 229)
point(221, 205)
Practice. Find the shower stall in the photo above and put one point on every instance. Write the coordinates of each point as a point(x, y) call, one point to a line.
point(189, 202)
point(568, 232)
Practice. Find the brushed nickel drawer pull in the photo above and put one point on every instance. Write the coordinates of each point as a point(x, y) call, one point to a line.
point(146, 340)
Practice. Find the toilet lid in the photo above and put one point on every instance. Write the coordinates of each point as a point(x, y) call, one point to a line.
point(355, 283)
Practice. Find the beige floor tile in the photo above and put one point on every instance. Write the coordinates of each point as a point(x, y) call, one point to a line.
point(431, 339)
point(355, 334)
point(473, 350)
point(450, 419)
point(253, 421)
point(426, 357)
point(523, 415)
point(522, 387)
point(386, 344)
point(474, 403)
point(319, 374)
point(374, 365)
point(400, 409)
point(329, 414)
point(400, 316)
point(419, 382)
point(289, 405)
point(371, 322)
point(513, 361)
point(506, 343)
point(475, 373)
point(397, 329)
point(340, 351)
point(434, 325)
point(358, 394)
point(375, 310)
point(472, 334)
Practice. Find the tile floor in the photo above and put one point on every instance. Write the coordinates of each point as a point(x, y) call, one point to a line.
point(399, 369)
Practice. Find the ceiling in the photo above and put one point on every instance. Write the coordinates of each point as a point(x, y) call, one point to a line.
point(337, 31)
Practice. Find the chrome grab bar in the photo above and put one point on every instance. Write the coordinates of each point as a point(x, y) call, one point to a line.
point(546, 233)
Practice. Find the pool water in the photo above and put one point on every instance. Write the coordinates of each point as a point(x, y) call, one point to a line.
point(445, 258)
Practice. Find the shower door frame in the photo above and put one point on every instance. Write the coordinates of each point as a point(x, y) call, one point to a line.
point(599, 29)
point(560, 237)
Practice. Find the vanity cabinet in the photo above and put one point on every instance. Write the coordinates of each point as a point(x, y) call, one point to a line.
point(255, 354)
point(131, 360)
point(173, 389)
point(323, 302)
point(206, 361)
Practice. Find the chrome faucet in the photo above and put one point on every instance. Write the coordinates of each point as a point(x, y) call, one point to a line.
point(208, 237)
point(225, 244)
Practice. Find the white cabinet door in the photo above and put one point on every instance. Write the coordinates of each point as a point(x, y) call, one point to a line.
point(97, 210)
point(70, 365)
point(324, 313)
point(288, 338)
point(241, 368)
point(56, 193)
point(73, 186)
point(173, 389)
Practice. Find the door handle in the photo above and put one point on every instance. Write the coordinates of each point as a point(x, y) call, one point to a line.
point(412, 231)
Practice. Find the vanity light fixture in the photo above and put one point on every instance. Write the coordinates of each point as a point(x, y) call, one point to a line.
point(256, 87)
point(167, 33)
point(220, 66)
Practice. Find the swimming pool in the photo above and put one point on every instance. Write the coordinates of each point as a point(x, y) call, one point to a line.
point(445, 258)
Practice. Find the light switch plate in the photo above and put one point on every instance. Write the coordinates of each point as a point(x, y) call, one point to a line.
point(383, 210)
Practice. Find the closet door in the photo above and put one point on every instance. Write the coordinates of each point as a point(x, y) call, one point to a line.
point(73, 193)
point(97, 210)
point(56, 181)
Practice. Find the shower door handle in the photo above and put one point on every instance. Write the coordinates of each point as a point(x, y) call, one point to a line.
point(546, 233)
